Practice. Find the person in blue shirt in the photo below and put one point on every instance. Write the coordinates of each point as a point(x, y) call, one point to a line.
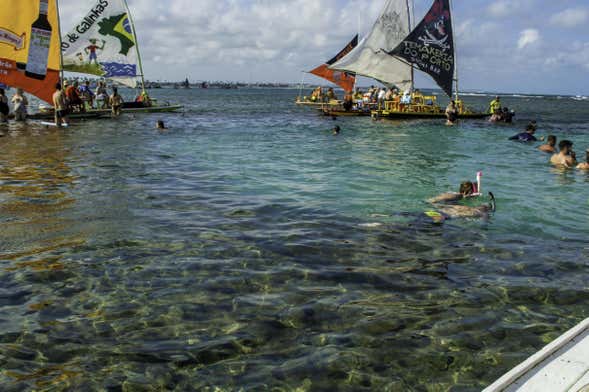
point(527, 136)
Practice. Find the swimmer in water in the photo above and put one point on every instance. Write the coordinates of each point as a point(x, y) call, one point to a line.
point(336, 130)
point(566, 157)
point(160, 125)
point(550, 146)
point(446, 207)
point(584, 165)
point(467, 189)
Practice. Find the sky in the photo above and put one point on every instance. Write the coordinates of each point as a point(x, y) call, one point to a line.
point(527, 46)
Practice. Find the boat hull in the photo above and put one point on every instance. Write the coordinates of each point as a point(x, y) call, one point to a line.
point(73, 116)
point(150, 109)
point(424, 115)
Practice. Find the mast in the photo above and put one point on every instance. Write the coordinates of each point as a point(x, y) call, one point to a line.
point(455, 53)
point(60, 43)
point(136, 46)
point(409, 10)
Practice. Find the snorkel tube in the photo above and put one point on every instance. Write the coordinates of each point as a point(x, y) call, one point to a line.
point(478, 187)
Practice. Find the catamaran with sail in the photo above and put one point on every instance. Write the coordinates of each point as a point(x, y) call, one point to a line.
point(345, 80)
point(392, 51)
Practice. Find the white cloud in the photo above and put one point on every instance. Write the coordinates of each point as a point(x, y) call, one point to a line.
point(499, 9)
point(571, 17)
point(528, 37)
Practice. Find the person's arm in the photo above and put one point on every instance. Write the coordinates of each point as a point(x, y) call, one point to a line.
point(446, 197)
point(516, 137)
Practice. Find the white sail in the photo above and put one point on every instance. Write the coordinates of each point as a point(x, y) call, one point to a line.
point(368, 58)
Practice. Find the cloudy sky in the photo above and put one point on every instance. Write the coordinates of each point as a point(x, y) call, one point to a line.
point(534, 46)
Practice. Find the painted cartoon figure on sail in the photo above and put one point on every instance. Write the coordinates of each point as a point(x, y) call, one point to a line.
point(435, 27)
point(392, 27)
point(91, 50)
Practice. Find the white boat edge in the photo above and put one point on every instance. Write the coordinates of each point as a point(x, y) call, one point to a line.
point(537, 359)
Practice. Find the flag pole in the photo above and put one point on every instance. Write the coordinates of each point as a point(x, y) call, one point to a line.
point(136, 47)
point(60, 43)
point(455, 52)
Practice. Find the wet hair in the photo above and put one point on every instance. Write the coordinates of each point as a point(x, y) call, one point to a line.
point(467, 188)
point(58, 86)
point(2, 92)
point(530, 127)
point(160, 124)
point(115, 90)
point(552, 139)
point(565, 144)
point(337, 129)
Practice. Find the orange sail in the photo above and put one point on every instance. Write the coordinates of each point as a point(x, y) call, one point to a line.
point(343, 79)
point(29, 46)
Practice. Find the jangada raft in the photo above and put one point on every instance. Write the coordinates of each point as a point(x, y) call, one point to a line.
point(392, 52)
point(30, 55)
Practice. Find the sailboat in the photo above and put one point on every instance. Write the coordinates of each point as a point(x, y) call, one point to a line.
point(345, 80)
point(104, 44)
point(391, 53)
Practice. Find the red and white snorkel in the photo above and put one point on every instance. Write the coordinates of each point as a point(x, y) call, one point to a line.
point(478, 187)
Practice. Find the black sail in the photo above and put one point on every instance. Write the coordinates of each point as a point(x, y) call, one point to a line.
point(430, 46)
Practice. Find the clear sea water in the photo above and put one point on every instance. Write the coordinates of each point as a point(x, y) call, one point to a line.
point(239, 250)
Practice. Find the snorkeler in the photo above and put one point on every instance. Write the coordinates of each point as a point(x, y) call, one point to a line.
point(446, 207)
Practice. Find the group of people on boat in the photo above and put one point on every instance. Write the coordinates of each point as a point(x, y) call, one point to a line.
point(73, 96)
point(562, 156)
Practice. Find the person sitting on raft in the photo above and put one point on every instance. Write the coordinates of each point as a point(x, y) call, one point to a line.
point(447, 208)
point(330, 96)
point(566, 157)
point(527, 136)
point(317, 95)
point(451, 113)
point(550, 146)
point(143, 99)
point(584, 165)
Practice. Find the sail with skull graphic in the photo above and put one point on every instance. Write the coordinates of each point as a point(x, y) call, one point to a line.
point(430, 46)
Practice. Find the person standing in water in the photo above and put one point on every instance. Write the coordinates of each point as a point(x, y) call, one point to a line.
point(566, 157)
point(60, 106)
point(20, 102)
point(550, 146)
point(451, 113)
point(4, 109)
point(116, 102)
point(527, 136)
point(584, 165)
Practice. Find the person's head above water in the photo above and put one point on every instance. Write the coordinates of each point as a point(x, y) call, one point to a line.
point(565, 146)
point(160, 124)
point(467, 188)
point(336, 130)
point(551, 140)
point(531, 129)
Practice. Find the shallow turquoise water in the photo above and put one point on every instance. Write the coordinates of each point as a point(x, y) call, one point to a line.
point(238, 251)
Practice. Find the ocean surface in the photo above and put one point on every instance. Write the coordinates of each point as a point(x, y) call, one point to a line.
point(249, 249)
